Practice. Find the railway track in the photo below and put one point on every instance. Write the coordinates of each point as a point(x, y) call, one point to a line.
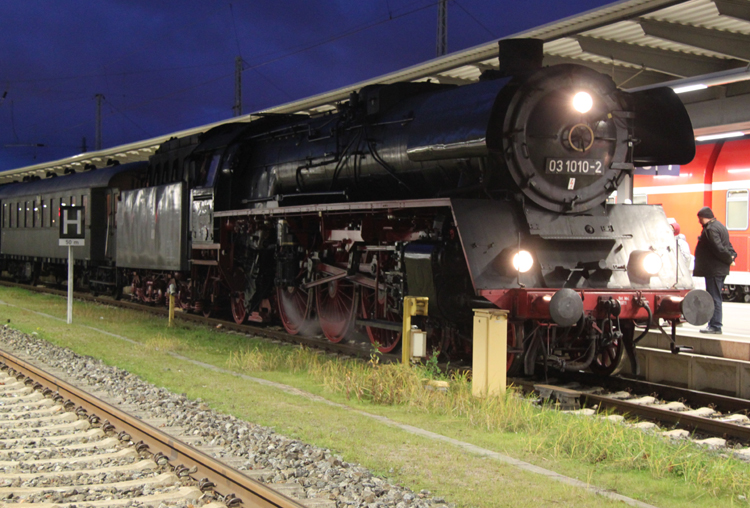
point(61, 446)
point(712, 420)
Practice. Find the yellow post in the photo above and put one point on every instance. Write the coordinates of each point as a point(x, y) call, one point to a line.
point(490, 352)
point(171, 290)
point(413, 306)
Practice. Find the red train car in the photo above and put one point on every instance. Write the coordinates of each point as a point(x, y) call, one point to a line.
point(718, 177)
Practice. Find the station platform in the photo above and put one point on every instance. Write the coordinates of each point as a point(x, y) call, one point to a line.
point(718, 363)
point(733, 343)
point(736, 324)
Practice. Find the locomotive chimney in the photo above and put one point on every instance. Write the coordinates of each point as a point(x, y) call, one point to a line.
point(520, 56)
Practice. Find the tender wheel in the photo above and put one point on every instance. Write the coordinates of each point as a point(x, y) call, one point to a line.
point(160, 296)
point(382, 308)
point(335, 305)
point(295, 309)
point(239, 312)
point(184, 296)
point(137, 291)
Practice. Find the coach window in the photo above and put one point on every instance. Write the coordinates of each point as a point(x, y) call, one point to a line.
point(43, 212)
point(5, 215)
point(737, 209)
point(11, 207)
point(72, 200)
point(53, 211)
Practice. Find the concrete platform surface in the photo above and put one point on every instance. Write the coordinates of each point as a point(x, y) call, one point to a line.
point(736, 323)
point(733, 344)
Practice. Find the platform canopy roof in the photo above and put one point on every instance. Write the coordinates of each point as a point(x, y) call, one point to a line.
point(640, 43)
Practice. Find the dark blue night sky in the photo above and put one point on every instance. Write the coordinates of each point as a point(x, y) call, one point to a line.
point(167, 65)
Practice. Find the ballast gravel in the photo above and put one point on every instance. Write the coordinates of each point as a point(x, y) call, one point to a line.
point(318, 473)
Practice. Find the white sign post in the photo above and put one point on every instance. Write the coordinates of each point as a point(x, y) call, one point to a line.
point(72, 234)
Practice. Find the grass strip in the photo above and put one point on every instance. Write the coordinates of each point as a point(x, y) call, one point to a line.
point(630, 461)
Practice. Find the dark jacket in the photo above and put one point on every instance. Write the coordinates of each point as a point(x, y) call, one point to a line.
point(714, 253)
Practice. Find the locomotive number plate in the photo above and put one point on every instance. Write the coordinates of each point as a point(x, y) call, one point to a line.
point(574, 166)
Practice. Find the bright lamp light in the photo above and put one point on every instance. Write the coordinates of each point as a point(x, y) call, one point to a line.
point(582, 102)
point(651, 263)
point(690, 88)
point(523, 261)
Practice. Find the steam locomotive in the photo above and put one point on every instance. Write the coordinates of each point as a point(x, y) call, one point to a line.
point(489, 195)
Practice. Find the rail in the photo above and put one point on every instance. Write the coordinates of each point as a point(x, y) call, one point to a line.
point(251, 493)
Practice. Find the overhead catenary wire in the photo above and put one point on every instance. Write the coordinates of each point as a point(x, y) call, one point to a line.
point(490, 32)
point(109, 103)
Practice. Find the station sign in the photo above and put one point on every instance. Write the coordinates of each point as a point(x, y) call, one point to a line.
point(72, 226)
point(669, 170)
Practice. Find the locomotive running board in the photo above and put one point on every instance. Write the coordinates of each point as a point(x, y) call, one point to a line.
point(338, 207)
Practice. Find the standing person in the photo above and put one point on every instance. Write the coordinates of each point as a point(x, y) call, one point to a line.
point(682, 245)
point(713, 256)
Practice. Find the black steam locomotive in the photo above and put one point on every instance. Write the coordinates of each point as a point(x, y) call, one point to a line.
point(490, 195)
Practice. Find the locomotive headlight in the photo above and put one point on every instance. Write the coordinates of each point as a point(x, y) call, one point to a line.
point(523, 261)
point(651, 263)
point(582, 102)
point(643, 264)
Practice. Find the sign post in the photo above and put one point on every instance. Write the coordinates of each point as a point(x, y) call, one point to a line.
point(72, 234)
